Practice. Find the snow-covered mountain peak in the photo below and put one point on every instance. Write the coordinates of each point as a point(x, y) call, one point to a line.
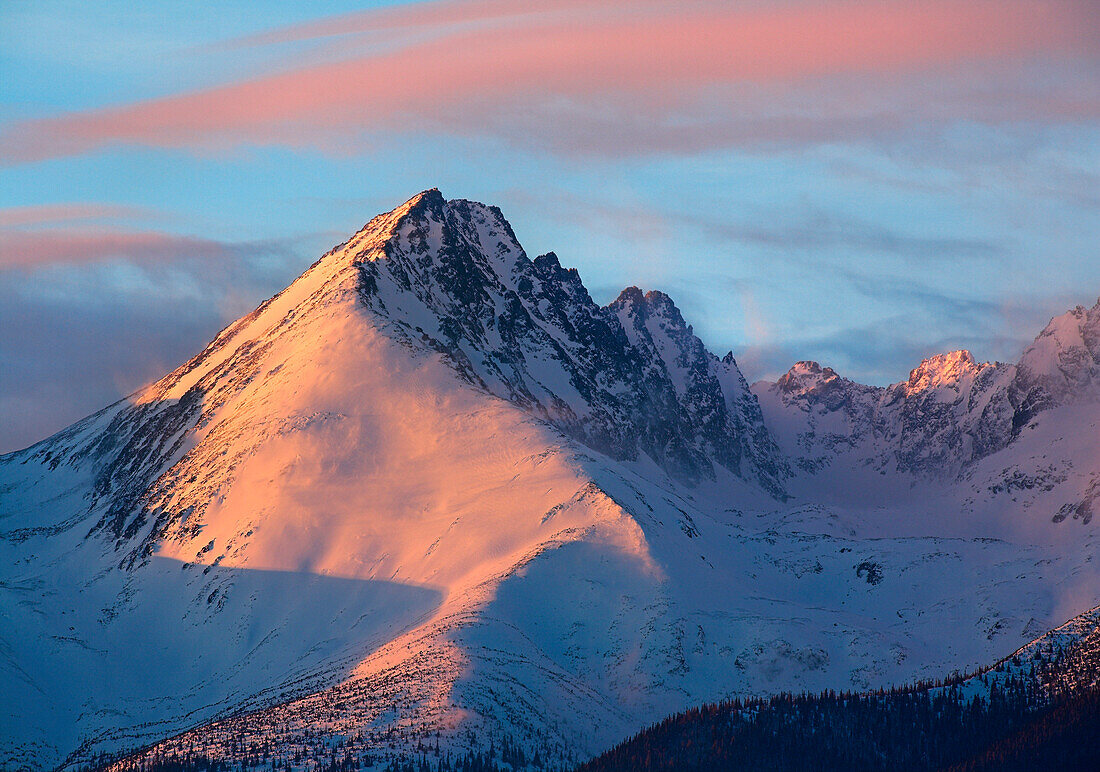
point(425, 199)
point(651, 300)
point(627, 379)
point(423, 204)
point(434, 230)
point(399, 432)
point(1062, 365)
point(807, 377)
point(653, 309)
point(1078, 327)
point(943, 370)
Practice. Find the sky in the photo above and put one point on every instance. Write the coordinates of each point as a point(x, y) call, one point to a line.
point(859, 183)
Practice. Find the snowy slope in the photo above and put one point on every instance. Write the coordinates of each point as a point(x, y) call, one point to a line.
point(1062, 662)
point(580, 648)
point(432, 486)
point(1034, 710)
point(303, 491)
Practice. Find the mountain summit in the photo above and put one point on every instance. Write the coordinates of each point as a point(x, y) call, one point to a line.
point(432, 493)
point(627, 379)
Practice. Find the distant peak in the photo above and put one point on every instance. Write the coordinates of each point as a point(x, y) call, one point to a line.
point(651, 300)
point(631, 295)
point(1069, 326)
point(942, 370)
point(632, 304)
point(806, 376)
point(811, 368)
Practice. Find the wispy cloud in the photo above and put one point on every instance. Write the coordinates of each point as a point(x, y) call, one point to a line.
point(439, 15)
point(612, 76)
point(52, 214)
point(26, 250)
point(44, 236)
point(923, 321)
point(813, 232)
point(801, 234)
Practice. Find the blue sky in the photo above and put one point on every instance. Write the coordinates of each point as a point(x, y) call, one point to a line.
point(860, 184)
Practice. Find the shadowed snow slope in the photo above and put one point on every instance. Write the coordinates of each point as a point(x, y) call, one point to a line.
point(433, 487)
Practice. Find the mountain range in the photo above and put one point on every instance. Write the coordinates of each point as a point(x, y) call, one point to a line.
point(432, 495)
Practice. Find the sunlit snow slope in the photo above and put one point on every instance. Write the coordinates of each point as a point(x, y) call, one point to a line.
point(432, 486)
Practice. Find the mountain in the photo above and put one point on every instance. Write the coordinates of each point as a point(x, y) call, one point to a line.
point(432, 494)
point(980, 428)
point(1033, 710)
point(950, 413)
point(628, 379)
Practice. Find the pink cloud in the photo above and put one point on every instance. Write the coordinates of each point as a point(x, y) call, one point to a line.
point(49, 214)
point(438, 15)
point(612, 64)
point(30, 249)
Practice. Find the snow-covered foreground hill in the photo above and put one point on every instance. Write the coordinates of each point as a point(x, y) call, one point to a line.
point(1034, 710)
point(432, 487)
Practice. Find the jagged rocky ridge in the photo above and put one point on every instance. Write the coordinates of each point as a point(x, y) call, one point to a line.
point(951, 411)
point(625, 379)
point(432, 487)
